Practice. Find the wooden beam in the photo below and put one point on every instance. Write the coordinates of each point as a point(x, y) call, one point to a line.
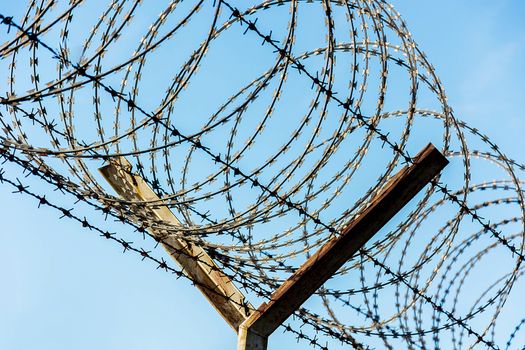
point(324, 263)
point(214, 284)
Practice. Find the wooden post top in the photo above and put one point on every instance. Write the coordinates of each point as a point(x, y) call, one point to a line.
point(195, 262)
point(325, 262)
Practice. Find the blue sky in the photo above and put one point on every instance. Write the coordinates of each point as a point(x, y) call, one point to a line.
point(66, 288)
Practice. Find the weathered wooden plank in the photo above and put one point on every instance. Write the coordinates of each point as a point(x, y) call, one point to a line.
point(324, 263)
point(219, 289)
point(248, 340)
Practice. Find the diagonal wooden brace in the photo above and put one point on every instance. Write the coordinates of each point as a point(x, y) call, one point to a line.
point(254, 332)
point(195, 262)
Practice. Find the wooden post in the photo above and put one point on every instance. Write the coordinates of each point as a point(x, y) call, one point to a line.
point(254, 332)
point(254, 327)
point(218, 288)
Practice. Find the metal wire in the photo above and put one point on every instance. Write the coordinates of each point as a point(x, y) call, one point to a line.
point(265, 128)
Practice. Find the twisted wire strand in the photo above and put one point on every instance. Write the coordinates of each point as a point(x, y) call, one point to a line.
point(260, 185)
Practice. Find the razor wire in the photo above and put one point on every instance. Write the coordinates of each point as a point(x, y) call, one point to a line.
point(244, 123)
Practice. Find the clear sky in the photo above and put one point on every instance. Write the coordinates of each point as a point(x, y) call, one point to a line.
point(66, 288)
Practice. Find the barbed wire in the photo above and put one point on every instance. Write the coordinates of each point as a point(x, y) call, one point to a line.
point(260, 178)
